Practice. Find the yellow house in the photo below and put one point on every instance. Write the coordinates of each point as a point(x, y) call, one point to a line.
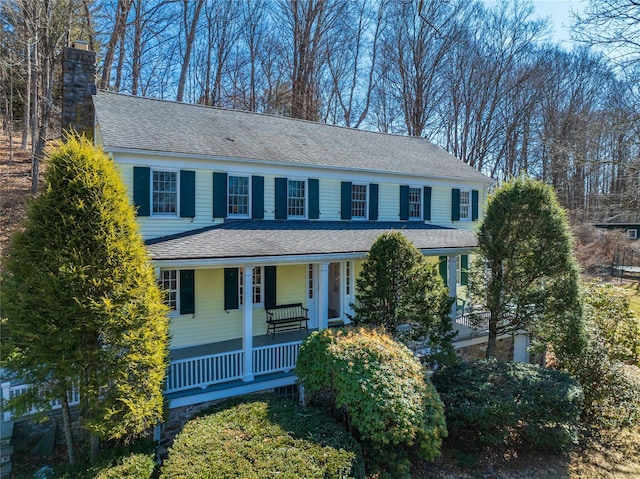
point(243, 212)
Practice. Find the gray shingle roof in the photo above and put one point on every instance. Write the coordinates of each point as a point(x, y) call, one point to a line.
point(240, 239)
point(138, 123)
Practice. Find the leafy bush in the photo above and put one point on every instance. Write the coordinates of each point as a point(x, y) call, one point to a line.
point(378, 387)
point(262, 437)
point(135, 466)
point(491, 402)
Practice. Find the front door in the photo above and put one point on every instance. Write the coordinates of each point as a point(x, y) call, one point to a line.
point(335, 292)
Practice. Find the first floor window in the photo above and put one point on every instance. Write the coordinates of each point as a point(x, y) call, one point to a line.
point(169, 284)
point(310, 282)
point(296, 194)
point(465, 205)
point(415, 203)
point(359, 201)
point(238, 196)
point(165, 192)
point(256, 290)
point(632, 233)
point(347, 278)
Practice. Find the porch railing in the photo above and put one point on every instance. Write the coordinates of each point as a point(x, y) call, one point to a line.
point(205, 371)
point(477, 320)
point(10, 391)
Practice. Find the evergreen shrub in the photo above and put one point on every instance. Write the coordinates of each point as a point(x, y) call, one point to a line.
point(263, 436)
point(378, 387)
point(492, 402)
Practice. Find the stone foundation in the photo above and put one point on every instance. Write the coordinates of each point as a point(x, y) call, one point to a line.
point(504, 350)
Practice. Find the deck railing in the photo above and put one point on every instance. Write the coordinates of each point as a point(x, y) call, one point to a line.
point(10, 391)
point(478, 320)
point(205, 371)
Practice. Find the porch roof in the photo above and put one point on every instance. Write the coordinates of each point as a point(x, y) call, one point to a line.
point(256, 238)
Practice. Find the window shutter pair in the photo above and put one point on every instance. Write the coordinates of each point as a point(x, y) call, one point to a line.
point(345, 201)
point(142, 192)
point(313, 197)
point(404, 203)
point(455, 204)
point(231, 286)
point(220, 196)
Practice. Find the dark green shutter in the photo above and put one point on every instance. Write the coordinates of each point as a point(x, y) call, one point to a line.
point(443, 268)
point(426, 200)
point(314, 199)
point(345, 200)
point(257, 197)
point(281, 198)
point(187, 295)
point(464, 269)
point(187, 194)
point(219, 195)
point(404, 202)
point(231, 288)
point(455, 204)
point(142, 190)
point(269, 286)
point(373, 201)
point(474, 205)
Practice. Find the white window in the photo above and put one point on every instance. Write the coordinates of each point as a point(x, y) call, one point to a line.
point(165, 192)
point(359, 201)
point(465, 205)
point(169, 284)
point(415, 203)
point(296, 199)
point(347, 278)
point(238, 198)
point(310, 282)
point(258, 286)
point(632, 233)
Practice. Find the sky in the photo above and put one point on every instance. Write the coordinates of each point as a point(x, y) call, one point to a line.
point(559, 11)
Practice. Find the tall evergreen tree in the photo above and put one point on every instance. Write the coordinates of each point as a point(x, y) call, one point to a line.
point(84, 312)
point(398, 286)
point(526, 275)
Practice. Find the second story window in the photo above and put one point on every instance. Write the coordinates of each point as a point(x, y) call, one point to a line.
point(165, 192)
point(296, 195)
point(359, 201)
point(238, 196)
point(465, 205)
point(415, 203)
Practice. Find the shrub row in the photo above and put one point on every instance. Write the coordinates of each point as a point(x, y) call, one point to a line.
point(491, 402)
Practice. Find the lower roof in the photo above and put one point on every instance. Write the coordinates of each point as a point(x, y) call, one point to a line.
point(264, 239)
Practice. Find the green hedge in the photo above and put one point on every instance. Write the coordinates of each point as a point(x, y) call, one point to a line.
point(491, 402)
point(378, 387)
point(263, 436)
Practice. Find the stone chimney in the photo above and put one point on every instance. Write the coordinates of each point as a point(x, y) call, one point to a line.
point(78, 84)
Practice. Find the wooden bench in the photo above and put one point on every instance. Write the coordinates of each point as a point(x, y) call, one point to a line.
point(286, 317)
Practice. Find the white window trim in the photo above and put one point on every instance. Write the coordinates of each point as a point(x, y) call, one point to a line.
point(420, 188)
point(249, 199)
point(165, 215)
point(366, 203)
point(469, 214)
point(632, 233)
point(176, 311)
point(306, 199)
point(241, 287)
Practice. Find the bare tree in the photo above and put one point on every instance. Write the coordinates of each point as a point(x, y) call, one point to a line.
point(117, 37)
point(190, 17)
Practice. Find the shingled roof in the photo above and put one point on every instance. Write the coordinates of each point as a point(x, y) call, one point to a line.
point(256, 238)
point(132, 123)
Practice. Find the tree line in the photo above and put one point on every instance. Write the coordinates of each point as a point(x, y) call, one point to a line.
point(485, 82)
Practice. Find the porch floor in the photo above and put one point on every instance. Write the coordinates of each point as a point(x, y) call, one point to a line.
point(236, 344)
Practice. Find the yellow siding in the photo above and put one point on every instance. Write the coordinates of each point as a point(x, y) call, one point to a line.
point(388, 202)
point(329, 199)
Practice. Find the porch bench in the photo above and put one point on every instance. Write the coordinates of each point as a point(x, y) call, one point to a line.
point(286, 317)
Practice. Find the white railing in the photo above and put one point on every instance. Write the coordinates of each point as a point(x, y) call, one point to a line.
point(11, 391)
point(275, 358)
point(204, 371)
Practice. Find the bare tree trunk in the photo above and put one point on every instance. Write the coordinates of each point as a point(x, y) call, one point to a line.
point(190, 32)
point(123, 8)
point(26, 109)
point(67, 428)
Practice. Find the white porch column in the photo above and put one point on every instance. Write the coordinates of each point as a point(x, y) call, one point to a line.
point(520, 345)
point(247, 324)
point(452, 277)
point(323, 296)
